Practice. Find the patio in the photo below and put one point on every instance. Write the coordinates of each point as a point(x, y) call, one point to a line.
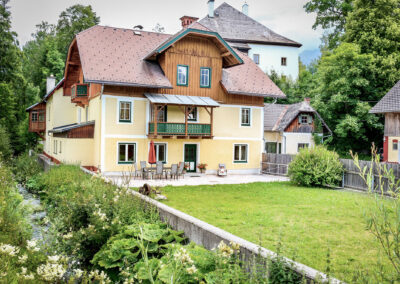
point(200, 179)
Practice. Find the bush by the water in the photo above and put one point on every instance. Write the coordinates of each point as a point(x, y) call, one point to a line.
point(316, 167)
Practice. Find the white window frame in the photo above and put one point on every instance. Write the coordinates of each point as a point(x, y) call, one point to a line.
point(240, 153)
point(298, 145)
point(307, 117)
point(134, 152)
point(87, 113)
point(156, 150)
point(196, 118)
point(36, 113)
point(241, 116)
point(186, 68)
point(128, 100)
point(55, 147)
point(258, 58)
point(283, 58)
point(59, 147)
point(208, 69)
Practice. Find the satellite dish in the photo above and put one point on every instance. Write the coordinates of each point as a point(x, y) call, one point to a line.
point(138, 27)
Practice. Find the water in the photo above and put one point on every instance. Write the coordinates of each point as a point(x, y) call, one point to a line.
point(36, 216)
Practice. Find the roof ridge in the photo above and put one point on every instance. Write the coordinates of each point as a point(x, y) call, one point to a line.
point(119, 28)
point(280, 117)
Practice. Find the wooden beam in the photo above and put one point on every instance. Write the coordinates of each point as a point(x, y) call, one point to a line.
point(225, 54)
point(186, 121)
point(155, 110)
point(211, 121)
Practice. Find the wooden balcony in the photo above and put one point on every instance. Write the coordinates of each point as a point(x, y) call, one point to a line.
point(80, 94)
point(178, 130)
point(37, 126)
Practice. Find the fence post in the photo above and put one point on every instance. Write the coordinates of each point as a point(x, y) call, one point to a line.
point(343, 179)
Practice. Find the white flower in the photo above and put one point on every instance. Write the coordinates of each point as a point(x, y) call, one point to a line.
point(191, 269)
point(9, 249)
point(101, 277)
point(68, 236)
point(78, 273)
point(182, 256)
point(234, 245)
point(29, 277)
point(22, 258)
point(31, 245)
point(224, 249)
point(53, 259)
point(23, 270)
point(51, 271)
point(102, 216)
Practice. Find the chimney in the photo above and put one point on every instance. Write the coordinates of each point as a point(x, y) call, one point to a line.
point(307, 100)
point(211, 8)
point(245, 9)
point(50, 83)
point(187, 20)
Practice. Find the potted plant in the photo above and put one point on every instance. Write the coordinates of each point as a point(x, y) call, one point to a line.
point(202, 167)
point(186, 167)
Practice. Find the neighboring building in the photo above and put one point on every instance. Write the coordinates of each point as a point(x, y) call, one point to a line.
point(389, 105)
point(289, 128)
point(196, 97)
point(269, 50)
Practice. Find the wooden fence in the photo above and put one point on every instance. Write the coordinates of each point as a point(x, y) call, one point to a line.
point(277, 164)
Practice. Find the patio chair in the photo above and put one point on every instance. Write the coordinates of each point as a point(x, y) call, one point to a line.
point(174, 171)
point(159, 170)
point(222, 171)
point(180, 170)
point(137, 173)
point(143, 168)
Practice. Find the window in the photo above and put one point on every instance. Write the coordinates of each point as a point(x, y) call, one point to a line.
point(55, 147)
point(125, 109)
point(245, 117)
point(34, 116)
point(305, 119)
point(205, 77)
point(302, 146)
point(395, 145)
point(41, 116)
point(182, 75)
point(240, 153)
point(87, 113)
point(256, 58)
point(59, 147)
point(193, 115)
point(161, 152)
point(161, 115)
point(126, 153)
point(283, 61)
point(270, 147)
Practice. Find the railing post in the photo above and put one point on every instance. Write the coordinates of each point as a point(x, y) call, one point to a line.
point(186, 121)
point(155, 108)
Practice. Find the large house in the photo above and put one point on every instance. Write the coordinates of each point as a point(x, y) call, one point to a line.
point(289, 128)
point(389, 105)
point(269, 50)
point(198, 98)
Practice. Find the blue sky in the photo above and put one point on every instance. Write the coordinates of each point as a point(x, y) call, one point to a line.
point(286, 17)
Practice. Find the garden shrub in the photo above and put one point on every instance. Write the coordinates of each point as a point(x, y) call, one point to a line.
point(25, 167)
point(316, 167)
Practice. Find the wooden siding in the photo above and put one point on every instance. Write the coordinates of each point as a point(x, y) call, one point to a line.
point(86, 131)
point(392, 124)
point(38, 126)
point(296, 126)
point(73, 69)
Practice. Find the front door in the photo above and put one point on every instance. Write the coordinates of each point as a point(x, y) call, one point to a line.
point(190, 157)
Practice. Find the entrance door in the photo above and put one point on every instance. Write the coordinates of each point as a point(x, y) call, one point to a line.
point(190, 157)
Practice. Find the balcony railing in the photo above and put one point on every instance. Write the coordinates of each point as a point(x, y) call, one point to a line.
point(178, 129)
point(36, 126)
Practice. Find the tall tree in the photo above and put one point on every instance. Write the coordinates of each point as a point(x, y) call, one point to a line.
point(331, 16)
point(72, 21)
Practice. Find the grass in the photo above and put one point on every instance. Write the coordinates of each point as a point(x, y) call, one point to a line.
point(308, 221)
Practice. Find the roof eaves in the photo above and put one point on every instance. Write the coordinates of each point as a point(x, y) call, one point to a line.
point(174, 39)
point(256, 94)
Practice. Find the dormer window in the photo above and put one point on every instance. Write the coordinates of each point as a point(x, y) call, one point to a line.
point(305, 119)
point(182, 75)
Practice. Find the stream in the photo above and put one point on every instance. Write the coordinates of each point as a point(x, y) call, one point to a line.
point(36, 216)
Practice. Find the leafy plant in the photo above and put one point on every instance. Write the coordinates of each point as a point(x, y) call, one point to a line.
point(383, 218)
point(25, 167)
point(316, 167)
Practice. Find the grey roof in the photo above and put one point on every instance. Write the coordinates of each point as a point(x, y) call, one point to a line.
point(32, 106)
point(390, 102)
point(64, 128)
point(181, 100)
point(233, 25)
point(278, 116)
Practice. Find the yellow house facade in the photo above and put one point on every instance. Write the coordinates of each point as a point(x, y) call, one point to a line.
point(198, 99)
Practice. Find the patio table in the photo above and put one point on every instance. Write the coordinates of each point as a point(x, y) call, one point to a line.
point(153, 169)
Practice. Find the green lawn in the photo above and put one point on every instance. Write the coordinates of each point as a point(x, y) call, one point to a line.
point(308, 221)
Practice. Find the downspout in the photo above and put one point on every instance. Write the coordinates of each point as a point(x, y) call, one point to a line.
point(102, 128)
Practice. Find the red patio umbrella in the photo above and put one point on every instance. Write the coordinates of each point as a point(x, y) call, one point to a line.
point(152, 153)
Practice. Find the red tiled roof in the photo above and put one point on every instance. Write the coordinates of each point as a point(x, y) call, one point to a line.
point(249, 79)
point(115, 56)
